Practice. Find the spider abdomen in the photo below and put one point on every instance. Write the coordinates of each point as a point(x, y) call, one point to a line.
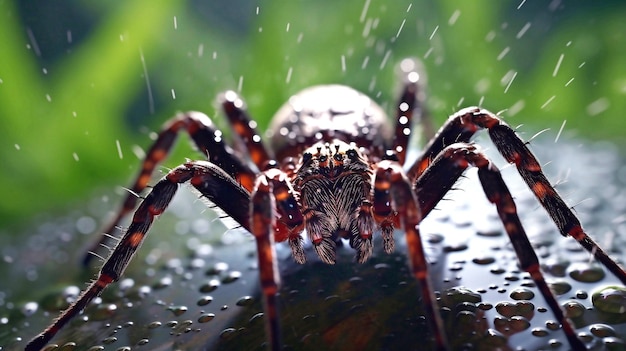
point(326, 112)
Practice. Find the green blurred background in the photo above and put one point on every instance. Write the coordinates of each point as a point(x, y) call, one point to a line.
point(79, 78)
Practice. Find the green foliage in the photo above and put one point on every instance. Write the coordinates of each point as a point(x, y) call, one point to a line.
point(65, 108)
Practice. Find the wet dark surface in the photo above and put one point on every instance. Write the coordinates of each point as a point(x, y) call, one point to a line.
point(194, 285)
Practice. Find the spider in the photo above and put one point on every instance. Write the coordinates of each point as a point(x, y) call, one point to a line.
point(335, 171)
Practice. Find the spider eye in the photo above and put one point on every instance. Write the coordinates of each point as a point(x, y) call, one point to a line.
point(338, 157)
point(323, 158)
point(352, 154)
point(306, 157)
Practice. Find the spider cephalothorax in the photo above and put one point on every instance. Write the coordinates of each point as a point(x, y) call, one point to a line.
point(334, 185)
point(335, 171)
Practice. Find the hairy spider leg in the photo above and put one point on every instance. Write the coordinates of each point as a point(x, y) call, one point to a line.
point(262, 223)
point(464, 124)
point(209, 141)
point(273, 197)
point(455, 159)
point(212, 182)
point(394, 201)
point(247, 139)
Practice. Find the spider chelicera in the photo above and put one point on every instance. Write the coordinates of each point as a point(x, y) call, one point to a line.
point(335, 171)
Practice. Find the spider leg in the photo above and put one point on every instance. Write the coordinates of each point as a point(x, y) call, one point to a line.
point(410, 106)
point(262, 223)
point(455, 159)
point(207, 178)
point(394, 201)
point(465, 123)
point(247, 138)
point(209, 141)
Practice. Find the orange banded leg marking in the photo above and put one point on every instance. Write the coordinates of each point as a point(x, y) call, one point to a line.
point(515, 151)
point(262, 224)
point(461, 126)
point(245, 129)
point(461, 156)
point(208, 140)
point(209, 179)
point(390, 178)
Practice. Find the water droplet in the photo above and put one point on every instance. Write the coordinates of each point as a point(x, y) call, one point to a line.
point(485, 306)
point(511, 277)
point(104, 312)
point(455, 247)
point(613, 343)
point(30, 308)
point(484, 260)
point(382, 266)
point(217, 268)
point(489, 232)
point(573, 309)
point(559, 287)
point(96, 348)
point(519, 323)
point(539, 332)
point(585, 337)
point(555, 343)
point(519, 308)
point(196, 263)
point(434, 238)
point(465, 322)
point(109, 340)
point(497, 270)
point(259, 318)
point(557, 266)
point(581, 294)
point(178, 310)
point(154, 325)
point(457, 266)
point(206, 317)
point(143, 342)
point(522, 294)
point(227, 333)
point(610, 299)
point(494, 339)
point(163, 283)
point(245, 301)
point(209, 286)
point(68, 346)
point(231, 277)
point(205, 300)
point(585, 272)
point(459, 294)
point(601, 330)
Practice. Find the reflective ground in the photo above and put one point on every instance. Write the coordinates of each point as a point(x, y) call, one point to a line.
point(194, 284)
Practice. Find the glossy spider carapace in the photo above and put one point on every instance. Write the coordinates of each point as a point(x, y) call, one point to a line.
point(335, 171)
